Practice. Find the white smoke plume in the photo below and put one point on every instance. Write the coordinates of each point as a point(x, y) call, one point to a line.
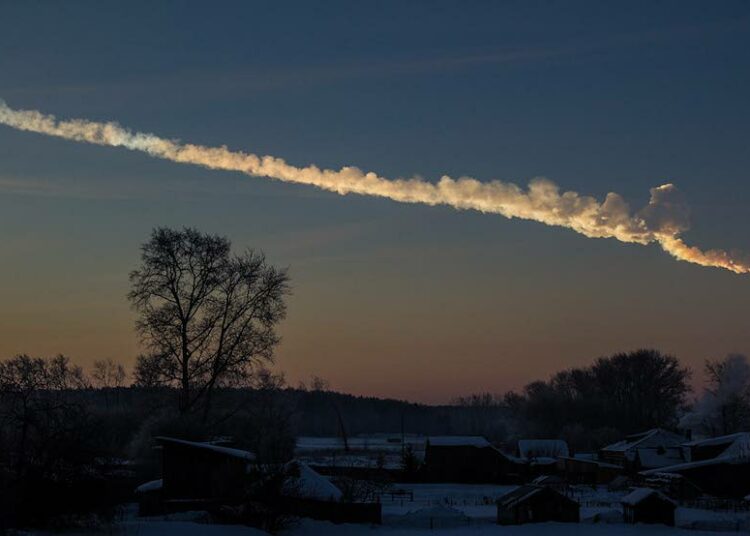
point(661, 221)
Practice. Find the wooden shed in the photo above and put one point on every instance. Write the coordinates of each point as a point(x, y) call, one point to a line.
point(536, 504)
point(469, 460)
point(203, 471)
point(647, 505)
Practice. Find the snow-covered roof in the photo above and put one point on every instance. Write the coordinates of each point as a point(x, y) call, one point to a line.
point(525, 492)
point(312, 485)
point(592, 461)
point(720, 440)
point(458, 441)
point(518, 495)
point(640, 494)
point(652, 438)
point(236, 453)
point(652, 458)
point(152, 485)
point(536, 448)
point(737, 452)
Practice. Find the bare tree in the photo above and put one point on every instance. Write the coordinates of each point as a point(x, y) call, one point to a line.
point(207, 316)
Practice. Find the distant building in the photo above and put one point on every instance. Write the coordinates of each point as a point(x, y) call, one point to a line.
point(719, 466)
point(646, 505)
point(646, 450)
point(536, 504)
point(541, 455)
point(195, 473)
point(468, 459)
point(433, 458)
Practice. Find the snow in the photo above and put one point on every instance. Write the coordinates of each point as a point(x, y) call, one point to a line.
point(653, 438)
point(313, 485)
point(237, 453)
point(153, 485)
point(720, 440)
point(458, 441)
point(317, 528)
point(653, 458)
point(640, 494)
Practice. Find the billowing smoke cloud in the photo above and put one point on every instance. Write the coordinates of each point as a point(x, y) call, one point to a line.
point(661, 221)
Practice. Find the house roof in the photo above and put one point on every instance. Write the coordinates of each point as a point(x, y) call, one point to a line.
point(152, 485)
point(526, 492)
point(639, 495)
point(720, 440)
point(235, 453)
point(591, 461)
point(313, 485)
point(548, 448)
point(652, 458)
point(737, 452)
point(655, 437)
point(518, 495)
point(458, 441)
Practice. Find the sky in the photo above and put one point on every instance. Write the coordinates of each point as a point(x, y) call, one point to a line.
point(418, 302)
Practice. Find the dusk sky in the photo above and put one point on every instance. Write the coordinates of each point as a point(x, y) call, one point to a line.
point(389, 299)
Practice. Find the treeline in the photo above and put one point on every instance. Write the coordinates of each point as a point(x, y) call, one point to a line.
point(622, 394)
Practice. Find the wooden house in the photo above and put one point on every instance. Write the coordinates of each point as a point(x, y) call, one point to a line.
point(646, 505)
point(469, 460)
point(536, 504)
point(646, 450)
point(203, 471)
point(719, 466)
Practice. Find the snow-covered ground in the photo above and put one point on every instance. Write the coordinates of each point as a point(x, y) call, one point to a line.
point(317, 528)
point(455, 510)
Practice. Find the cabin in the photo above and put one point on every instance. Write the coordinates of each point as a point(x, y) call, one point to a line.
point(204, 472)
point(646, 505)
point(646, 450)
point(468, 459)
point(536, 504)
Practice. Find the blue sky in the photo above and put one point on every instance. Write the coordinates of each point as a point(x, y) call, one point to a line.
point(408, 301)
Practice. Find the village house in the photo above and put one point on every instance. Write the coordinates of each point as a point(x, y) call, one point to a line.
point(541, 455)
point(195, 475)
point(646, 450)
point(646, 505)
point(468, 459)
point(536, 504)
point(719, 466)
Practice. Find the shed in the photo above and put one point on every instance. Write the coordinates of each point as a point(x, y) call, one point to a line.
point(536, 504)
point(469, 460)
point(203, 471)
point(647, 505)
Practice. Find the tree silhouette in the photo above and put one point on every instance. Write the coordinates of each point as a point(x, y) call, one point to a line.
point(207, 316)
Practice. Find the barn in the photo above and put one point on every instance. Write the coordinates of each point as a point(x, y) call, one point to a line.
point(646, 450)
point(646, 505)
point(719, 466)
point(202, 471)
point(468, 459)
point(536, 504)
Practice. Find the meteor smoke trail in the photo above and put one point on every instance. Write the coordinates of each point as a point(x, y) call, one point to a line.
point(661, 221)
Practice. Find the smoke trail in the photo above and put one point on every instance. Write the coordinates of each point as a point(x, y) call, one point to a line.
point(661, 221)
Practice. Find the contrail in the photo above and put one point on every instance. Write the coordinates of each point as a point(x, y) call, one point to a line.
point(662, 221)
